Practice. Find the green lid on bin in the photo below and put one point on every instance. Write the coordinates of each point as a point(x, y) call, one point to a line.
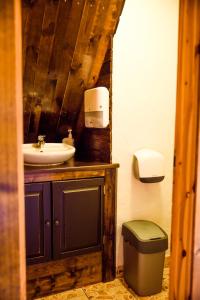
point(145, 236)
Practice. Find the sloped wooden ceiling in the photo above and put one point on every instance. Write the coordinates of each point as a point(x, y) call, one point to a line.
point(64, 51)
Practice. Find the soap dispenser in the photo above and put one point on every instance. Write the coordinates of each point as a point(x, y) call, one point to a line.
point(149, 166)
point(96, 107)
point(69, 140)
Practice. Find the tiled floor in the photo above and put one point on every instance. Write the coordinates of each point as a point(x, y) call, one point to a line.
point(114, 290)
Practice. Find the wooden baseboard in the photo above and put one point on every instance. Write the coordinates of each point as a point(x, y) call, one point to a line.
point(65, 274)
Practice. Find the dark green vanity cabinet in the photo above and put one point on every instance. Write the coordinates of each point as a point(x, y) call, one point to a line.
point(77, 215)
point(70, 226)
point(63, 218)
point(38, 222)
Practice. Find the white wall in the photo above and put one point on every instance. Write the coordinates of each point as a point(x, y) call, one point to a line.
point(144, 96)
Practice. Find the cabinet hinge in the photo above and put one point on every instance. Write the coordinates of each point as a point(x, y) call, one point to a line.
point(104, 189)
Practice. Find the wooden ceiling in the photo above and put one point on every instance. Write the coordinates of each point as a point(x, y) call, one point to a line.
point(64, 47)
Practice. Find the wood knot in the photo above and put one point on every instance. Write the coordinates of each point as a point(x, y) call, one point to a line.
point(29, 2)
point(53, 281)
point(184, 253)
point(59, 101)
point(187, 194)
point(49, 31)
point(73, 272)
point(37, 290)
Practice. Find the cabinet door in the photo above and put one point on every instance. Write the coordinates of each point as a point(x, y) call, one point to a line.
point(77, 216)
point(38, 222)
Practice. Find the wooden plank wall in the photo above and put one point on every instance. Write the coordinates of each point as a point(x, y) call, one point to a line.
point(12, 249)
point(95, 144)
point(187, 118)
point(64, 52)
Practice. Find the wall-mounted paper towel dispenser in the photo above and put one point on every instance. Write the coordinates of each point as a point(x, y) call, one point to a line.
point(96, 107)
point(149, 166)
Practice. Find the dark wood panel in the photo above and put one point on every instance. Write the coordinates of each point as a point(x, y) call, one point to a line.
point(25, 21)
point(89, 55)
point(77, 216)
point(34, 232)
point(65, 47)
point(31, 39)
point(80, 65)
point(44, 54)
point(95, 144)
point(69, 18)
point(38, 222)
point(60, 38)
point(64, 58)
point(31, 45)
point(109, 235)
point(65, 274)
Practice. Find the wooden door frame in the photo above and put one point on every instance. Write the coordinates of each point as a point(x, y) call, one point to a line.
point(182, 283)
point(186, 203)
point(12, 245)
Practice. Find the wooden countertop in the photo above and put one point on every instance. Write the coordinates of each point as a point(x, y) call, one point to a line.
point(69, 170)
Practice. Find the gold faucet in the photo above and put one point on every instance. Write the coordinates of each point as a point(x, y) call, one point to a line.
point(40, 143)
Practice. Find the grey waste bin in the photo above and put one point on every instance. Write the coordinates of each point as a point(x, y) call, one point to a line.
point(144, 253)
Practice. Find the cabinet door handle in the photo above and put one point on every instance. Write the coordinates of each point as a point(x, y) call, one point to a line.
point(47, 223)
point(57, 223)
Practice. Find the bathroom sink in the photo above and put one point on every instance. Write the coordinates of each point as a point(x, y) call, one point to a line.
point(48, 154)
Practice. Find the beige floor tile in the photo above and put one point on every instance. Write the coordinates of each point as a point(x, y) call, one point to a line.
point(77, 294)
point(118, 290)
point(114, 290)
point(160, 296)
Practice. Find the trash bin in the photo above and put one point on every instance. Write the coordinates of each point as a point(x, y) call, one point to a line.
point(144, 253)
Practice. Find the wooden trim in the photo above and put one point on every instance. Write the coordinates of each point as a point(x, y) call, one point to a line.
point(62, 175)
point(196, 249)
point(63, 274)
point(109, 223)
point(185, 151)
point(70, 170)
point(12, 250)
point(109, 234)
point(72, 165)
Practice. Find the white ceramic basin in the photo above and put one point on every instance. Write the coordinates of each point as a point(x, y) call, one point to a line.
point(49, 154)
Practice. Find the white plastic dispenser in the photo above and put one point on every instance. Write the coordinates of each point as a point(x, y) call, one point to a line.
point(149, 166)
point(96, 107)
